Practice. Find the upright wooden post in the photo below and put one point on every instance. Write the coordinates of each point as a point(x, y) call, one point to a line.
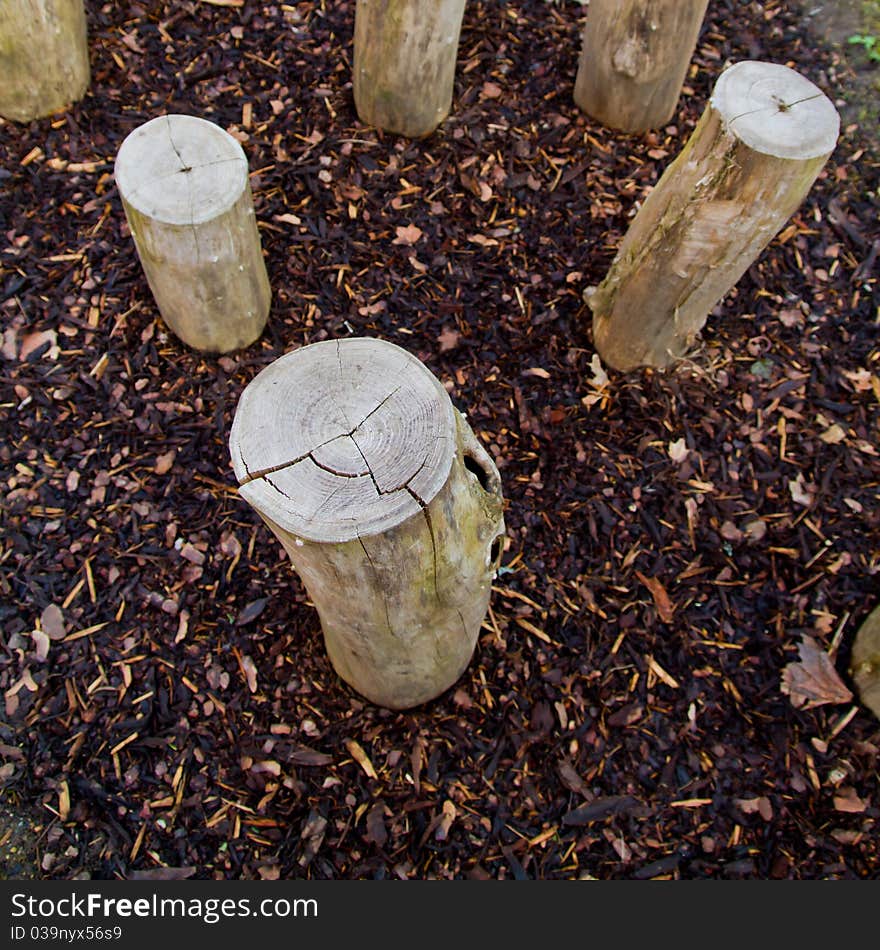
point(404, 63)
point(761, 142)
point(388, 506)
point(187, 198)
point(44, 57)
point(634, 59)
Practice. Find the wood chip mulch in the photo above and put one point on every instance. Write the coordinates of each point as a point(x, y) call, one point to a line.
point(686, 550)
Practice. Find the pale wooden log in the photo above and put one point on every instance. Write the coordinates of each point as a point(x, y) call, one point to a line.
point(404, 63)
point(761, 142)
point(389, 508)
point(187, 198)
point(44, 57)
point(865, 662)
point(634, 59)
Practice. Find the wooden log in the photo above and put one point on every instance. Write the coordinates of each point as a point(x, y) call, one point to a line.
point(761, 142)
point(44, 57)
point(634, 59)
point(865, 662)
point(389, 508)
point(187, 198)
point(404, 63)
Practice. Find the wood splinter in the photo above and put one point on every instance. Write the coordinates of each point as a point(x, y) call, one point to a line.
point(389, 507)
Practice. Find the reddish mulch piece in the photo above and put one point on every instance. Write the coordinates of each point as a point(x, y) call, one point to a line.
point(672, 537)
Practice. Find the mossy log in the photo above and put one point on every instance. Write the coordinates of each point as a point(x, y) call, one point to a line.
point(759, 146)
point(184, 186)
point(390, 509)
point(44, 57)
point(404, 63)
point(634, 59)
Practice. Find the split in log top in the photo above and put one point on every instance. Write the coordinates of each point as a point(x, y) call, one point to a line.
point(347, 443)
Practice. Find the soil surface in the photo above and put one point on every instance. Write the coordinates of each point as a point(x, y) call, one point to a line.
point(661, 688)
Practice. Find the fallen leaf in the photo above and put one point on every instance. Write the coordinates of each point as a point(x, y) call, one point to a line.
point(407, 235)
point(269, 872)
point(664, 605)
point(251, 611)
point(536, 371)
point(813, 680)
point(490, 90)
point(361, 757)
point(482, 240)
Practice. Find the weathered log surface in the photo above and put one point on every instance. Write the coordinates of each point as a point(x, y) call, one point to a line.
point(634, 59)
point(389, 508)
point(404, 63)
point(759, 146)
point(44, 57)
point(865, 662)
point(185, 190)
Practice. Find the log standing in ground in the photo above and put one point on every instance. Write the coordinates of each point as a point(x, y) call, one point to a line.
point(185, 189)
point(44, 57)
point(404, 63)
point(759, 146)
point(386, 503)
point(634, 59)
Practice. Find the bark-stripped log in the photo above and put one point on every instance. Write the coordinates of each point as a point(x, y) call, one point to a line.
point(388, 506)
point(865, 662)
point(44, 57)
point(404, 63)
point(634, 59)
point(759, 146)
point(187, 198)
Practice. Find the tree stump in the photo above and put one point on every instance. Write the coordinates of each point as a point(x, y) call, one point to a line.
point(389, 508)
point(404, 63)
point(759, 146)
point(44, 57)
point(634, 59)
point(187, 198)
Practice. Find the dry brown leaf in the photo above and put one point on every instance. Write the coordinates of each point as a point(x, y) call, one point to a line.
point(665, 607)
point(377, 833)
point(357, 753)
point(813, 680)
point(33, 341)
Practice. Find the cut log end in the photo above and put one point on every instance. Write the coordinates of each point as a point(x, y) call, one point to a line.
point(342, 439)
point(181, 170)
point(776, 111)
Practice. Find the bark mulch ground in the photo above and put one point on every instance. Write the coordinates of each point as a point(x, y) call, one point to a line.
point(678, 541)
